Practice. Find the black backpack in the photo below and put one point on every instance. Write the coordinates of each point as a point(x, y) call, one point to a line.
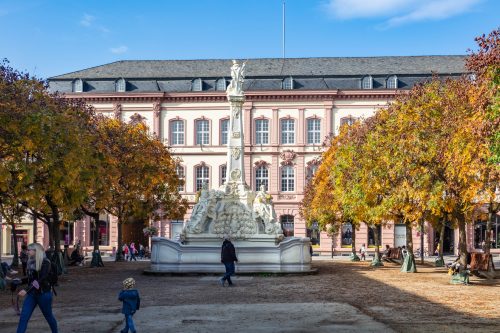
point(53, 275)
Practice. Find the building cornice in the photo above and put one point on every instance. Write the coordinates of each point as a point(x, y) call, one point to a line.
point(251, 96)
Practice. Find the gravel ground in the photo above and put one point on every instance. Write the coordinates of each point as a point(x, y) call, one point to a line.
point(361, 296)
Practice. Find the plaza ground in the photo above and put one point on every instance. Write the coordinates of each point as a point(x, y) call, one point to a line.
point(342, 297)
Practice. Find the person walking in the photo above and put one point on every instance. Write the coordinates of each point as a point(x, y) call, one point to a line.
point(362, 251)
point(39, 290)
point(132, 251)
point(228, 258)
point(131, 303)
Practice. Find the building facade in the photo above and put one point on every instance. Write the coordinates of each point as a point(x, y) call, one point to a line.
point(292, 106)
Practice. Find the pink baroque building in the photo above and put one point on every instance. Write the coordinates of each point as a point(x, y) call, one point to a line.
point(291, 106)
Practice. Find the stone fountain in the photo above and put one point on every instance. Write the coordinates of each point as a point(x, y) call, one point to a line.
point(234, 211)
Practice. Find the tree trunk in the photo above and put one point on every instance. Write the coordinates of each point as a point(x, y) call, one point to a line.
point(354, 256)
point(119, 253)
point(376, 260)
point(51, 232)
point(462, 239)
point(15, 258)
point(35, 229)
point(422, 241)
point(96, 254)
point(409, 265)
point(441, 239)
point(487, 238)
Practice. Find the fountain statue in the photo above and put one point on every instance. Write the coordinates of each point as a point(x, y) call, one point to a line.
point(233, 210)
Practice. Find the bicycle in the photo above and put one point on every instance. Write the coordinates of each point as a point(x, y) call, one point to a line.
point(416, 253)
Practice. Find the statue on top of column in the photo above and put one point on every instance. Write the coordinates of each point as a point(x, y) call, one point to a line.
point(237, 75)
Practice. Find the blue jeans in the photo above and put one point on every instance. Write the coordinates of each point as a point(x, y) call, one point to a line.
point(229, 272)
point(44, 302)
point(129, 324)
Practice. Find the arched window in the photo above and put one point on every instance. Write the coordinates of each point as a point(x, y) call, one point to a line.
point(346, 234)
point(78, 85)
point(287, 83)
point(287, 224)
point(179, 170)
point(367, 82)
point(311, 171)
point(287, 179)
point(220, 85)
point(120, 85)
point(224, 126)
point(202, 176)
point(261, 177)
point(313, 232)
point(392, 82)
point(197, 85)
point(177, 132)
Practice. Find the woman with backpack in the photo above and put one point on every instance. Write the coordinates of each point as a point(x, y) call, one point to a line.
point(39, 290)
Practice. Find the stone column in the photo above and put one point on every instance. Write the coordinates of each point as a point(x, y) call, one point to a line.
point(157, 120)
point(236, 148)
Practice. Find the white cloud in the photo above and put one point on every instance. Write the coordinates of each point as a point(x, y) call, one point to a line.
point(87, 20)
point(119, 50)
point(399, 11)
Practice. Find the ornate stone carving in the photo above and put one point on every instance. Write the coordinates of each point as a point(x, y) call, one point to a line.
point(236, 135)
point(236, 111)
point(117, 110)
point(137, 118)
point(236, 152)
point(263, 209)
point(287, 156)
point(314, 162)
point(238, 76)
point(234, 219)
point(286, 197)
point(260, 163)
point(235, 174)
point(203, 210)
point(157, 109)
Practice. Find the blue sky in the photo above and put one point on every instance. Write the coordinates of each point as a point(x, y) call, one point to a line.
point(52, 37)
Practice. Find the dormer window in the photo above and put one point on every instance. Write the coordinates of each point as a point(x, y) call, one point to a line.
point(392, 82)
point(197, 85)
point(287, 83)
point(120, 85)
point(78, 86)
point(367, 82)
point(220, 84)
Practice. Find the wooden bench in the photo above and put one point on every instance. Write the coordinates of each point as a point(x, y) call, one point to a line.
point(482, 265)
point(394, 255)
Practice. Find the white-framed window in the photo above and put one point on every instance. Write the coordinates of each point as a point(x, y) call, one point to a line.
point(314, 131)
point(202, 132)
point(179, 170)
point(287, 131)
point(287, 83)
point(367, 82)
point(262, 131)
point(120, 85)
point(349, 120)
point(287, 179)
point(311, 171)
point(261, 177)
point(223, 174)
point(220, 85)
point(392, 82)
point(78, 85)
point(287, 224)
point(177, 132)
point(224, 131)
point(197, 85)
point(202, 176)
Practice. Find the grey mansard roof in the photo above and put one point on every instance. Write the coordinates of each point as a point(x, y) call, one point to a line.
point(261, 74)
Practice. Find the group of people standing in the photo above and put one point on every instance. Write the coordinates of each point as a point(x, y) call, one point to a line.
point(131, 252)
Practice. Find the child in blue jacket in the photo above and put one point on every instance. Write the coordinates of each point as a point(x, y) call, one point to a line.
point(131, 303)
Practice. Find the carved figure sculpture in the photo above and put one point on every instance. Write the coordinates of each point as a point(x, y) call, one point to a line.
point(204, 209)
point(263, 208)
point(237, 75)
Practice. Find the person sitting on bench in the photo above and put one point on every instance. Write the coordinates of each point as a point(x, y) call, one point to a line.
point(7, 269)
point(386, 253)
point(75, 259)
